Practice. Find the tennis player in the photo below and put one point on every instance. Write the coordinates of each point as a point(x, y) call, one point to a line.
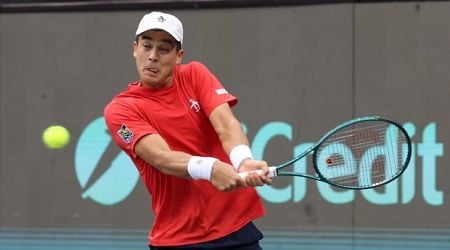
point(177, 126)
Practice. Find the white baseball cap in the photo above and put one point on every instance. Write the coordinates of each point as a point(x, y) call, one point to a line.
point(163, 21)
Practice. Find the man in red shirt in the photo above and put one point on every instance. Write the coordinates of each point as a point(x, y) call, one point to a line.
point(177, 126)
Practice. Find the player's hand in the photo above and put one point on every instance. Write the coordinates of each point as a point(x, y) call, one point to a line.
point(253, 178)
point(225, 178)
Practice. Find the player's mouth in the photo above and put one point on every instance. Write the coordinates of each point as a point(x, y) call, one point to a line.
point(152, 70)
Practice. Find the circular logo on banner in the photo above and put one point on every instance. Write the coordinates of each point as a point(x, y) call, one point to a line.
point(106, 173)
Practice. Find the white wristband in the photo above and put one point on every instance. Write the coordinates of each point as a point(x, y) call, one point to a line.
point(201, 167)
point(238, 154)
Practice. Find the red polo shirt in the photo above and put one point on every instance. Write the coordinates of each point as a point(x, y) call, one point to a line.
point(185, 211)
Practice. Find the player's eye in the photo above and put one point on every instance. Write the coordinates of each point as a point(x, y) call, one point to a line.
point(165, 49)
point(146, 46)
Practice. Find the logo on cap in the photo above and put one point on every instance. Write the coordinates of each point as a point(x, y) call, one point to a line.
point(161, 19)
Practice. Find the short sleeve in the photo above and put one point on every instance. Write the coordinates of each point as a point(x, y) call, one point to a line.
point(126, 126)
point(209, 90)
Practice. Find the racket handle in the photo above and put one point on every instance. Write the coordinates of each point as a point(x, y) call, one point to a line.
point(272, 173)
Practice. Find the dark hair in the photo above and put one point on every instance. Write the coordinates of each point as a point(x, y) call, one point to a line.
point(178, 44)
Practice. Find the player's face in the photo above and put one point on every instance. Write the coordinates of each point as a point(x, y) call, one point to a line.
point(156, 56)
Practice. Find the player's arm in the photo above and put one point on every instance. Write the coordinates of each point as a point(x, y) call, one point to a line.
point(230, 133)
point(153, 149)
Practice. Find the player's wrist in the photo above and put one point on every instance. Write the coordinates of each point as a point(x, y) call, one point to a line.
point(239, 154)
point(200, 168)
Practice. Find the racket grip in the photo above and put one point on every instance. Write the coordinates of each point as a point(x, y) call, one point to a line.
point(272, 173)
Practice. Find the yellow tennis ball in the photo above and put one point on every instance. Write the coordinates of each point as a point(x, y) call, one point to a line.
point(55, 137)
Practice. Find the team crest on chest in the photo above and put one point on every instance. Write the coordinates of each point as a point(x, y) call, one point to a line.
point(195, 105)
point(125, 133)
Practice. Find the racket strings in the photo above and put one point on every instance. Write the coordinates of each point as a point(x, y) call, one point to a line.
point(363, 154)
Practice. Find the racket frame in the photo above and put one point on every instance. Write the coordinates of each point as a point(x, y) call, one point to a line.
point(275, 171)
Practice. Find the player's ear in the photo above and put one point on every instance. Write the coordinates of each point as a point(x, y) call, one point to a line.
point(180, 54)
point(135, 45)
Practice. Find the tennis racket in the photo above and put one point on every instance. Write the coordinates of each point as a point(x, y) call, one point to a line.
point(361, 153)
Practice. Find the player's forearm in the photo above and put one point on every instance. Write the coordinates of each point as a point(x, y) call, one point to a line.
point(155, 151)
point(235, 144)
point(172, 163)
point(228, 128)
point(232, 138)
point(230, 134)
